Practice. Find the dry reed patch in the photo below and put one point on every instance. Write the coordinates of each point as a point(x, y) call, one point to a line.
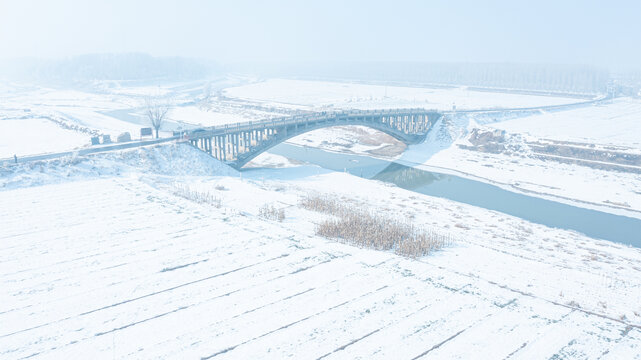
point(362, 228)
point(270, 212)
point(201, 197)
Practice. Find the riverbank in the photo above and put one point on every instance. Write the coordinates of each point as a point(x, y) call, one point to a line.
point(598, 169)
point(549, 212)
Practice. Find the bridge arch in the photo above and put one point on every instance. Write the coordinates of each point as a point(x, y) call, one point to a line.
point(238, 144)
point(243, 160)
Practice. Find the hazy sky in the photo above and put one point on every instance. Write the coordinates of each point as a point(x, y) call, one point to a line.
point(604, 33)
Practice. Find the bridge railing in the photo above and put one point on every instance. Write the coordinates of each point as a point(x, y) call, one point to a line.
point(301, 119)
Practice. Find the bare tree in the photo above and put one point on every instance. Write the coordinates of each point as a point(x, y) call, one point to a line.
point(207, 93)
point(156, 111)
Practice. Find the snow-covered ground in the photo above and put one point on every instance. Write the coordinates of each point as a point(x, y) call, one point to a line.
point(617, 122)
point(352, 139)
point(102, 257)
point(67, 118)
point(613, 128)
point(365, 96)
point(201, 117)
point(609, 191)
point(37, 119)
point(34, 135)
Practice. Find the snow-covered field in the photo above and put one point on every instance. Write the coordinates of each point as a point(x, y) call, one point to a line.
point(365, 96)
point(617, 122)
point(50, 120)
point(608, 191)
point(34, 135)
point(201, 117)
point(352, 139)
point(613, 127)
point(102, 258)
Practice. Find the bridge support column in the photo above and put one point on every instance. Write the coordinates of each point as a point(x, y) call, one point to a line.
point(224, 142)
point(235, 146)
point(232, 147)
point(215, 146)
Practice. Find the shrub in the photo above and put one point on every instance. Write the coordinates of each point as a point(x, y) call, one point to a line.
point(270, 212)
point(201, 197)
point(362, 228)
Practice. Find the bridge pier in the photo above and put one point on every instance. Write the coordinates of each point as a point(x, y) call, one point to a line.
point(224, 142)
point(236, 145)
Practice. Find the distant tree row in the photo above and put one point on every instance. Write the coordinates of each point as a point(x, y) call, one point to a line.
point(132, 66)
point(539, 77)
point(564, 78)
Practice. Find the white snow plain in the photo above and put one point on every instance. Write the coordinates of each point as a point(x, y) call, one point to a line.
point(36, 135)
point(101, 258)
point(367, 96)
point(617, 122)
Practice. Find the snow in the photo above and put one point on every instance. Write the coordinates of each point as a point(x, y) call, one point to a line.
point(364, 96)
point(615, 123)
point(197, 116)
point(575, 184)
point(350, 139)
point(94, 119)
point(73, 108)
point(36, 135)
point(109, 262)
point(612, 126)
point(268, 160)
point(145, 91)
point(172, 159)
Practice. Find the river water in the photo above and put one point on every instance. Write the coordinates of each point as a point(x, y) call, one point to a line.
point(593, 223)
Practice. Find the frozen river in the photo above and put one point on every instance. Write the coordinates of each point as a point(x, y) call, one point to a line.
point(596, 224)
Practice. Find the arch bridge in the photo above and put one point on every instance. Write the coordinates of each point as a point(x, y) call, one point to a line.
point(237, 144)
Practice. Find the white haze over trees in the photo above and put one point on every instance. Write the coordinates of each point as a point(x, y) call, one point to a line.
point(494, 43)
point(126, 66)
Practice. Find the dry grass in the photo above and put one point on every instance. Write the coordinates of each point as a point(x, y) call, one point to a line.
point(201, 197)
point(270, 212)
point(362, 228)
